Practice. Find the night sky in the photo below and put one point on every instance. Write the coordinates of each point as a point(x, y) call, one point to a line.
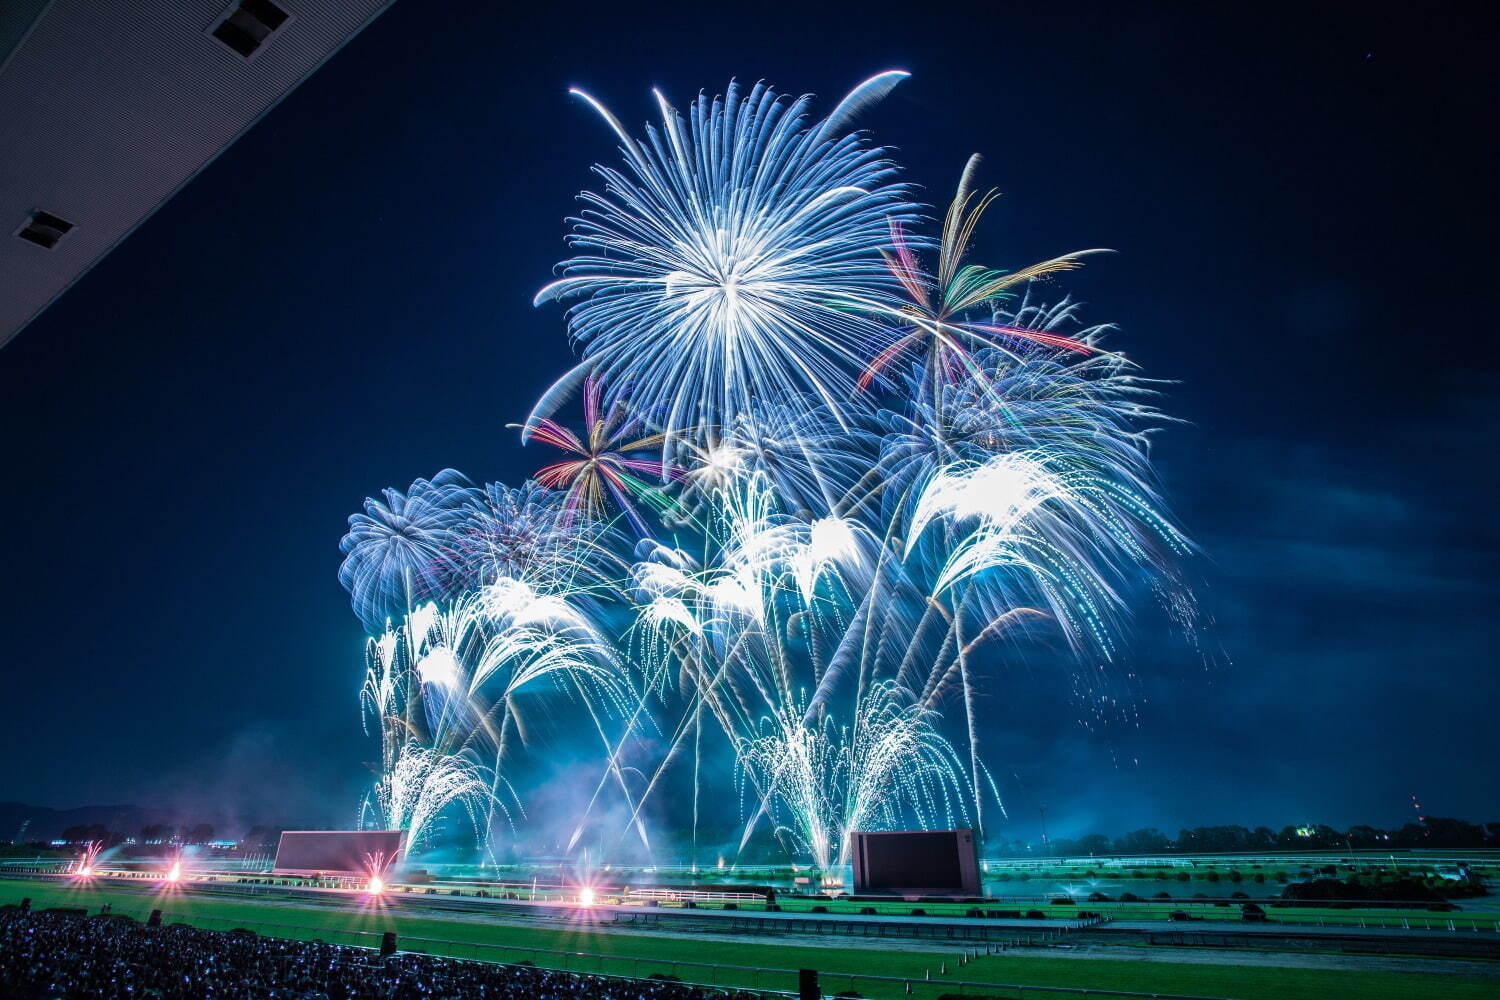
point(1303, 208)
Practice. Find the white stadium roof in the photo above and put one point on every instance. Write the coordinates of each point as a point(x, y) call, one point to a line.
point(107, 108)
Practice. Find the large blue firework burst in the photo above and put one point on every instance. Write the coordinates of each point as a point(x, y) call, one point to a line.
point(736, 257)
point(401, 550)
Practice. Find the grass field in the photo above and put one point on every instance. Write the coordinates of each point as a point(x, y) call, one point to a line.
point(1145, 909)
point(587, 948)
point(1141, 910)
point(1159, 910)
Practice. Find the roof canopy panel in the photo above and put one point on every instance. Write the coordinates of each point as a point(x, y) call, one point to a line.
point(108, 107)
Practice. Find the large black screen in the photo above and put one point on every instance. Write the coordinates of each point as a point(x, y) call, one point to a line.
point(930, 860)
point(337, 850)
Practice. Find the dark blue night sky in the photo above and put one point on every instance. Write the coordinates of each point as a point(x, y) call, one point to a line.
point(1303, 208)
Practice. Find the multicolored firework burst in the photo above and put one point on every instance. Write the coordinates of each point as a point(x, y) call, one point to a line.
point(937, 325)
point(613, 455)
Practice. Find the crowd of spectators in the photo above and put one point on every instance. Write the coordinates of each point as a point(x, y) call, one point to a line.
point(58, 955)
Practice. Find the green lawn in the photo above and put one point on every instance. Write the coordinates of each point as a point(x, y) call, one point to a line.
point(1144, 909)
point(639, 953)
point(1160, 909)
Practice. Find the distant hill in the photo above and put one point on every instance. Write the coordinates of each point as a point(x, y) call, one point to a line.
point(46, 823)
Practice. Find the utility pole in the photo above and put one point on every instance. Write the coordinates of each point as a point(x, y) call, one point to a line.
point(1046, 844)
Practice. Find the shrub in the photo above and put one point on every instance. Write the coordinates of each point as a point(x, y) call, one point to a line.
point(1129, 897)
point(1098, 897)
point(1183, 876)
point(1326, 889)
point(1062, 901)
point(1035, 915)
point(1162, 895)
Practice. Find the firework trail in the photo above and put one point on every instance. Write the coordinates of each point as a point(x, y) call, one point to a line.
point(86, 865)
point(378, 865)
point(763, 637)
point(419, 785)
point(442, 685)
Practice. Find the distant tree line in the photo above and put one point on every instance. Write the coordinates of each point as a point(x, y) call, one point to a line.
point(161, 833)
point(1432, 832)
